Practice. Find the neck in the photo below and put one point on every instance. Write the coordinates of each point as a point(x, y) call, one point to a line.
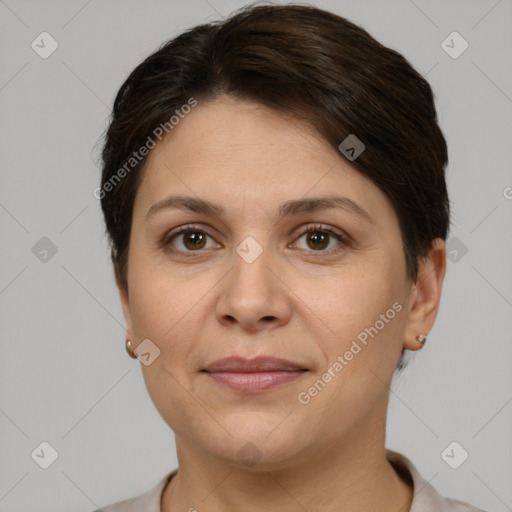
point(354, 477)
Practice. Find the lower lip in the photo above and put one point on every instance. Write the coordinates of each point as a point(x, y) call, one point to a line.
point(255, 382)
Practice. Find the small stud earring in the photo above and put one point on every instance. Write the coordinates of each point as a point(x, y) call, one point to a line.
point(421, 338)
point(128, 349)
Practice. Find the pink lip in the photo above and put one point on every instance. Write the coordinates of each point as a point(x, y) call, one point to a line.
point(253, 375)
point(258, 364)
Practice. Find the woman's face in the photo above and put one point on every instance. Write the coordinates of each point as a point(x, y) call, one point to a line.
point(252, 282)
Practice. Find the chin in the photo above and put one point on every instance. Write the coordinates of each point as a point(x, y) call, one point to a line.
point(259, 441)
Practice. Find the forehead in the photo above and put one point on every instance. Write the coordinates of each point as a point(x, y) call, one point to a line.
point(231, 150)
point(242, 128)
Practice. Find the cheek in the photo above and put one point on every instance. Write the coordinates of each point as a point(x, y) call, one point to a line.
point(170, 310)
point(352, 300)
point(159, 313)
point(157, 302)
point(165, 319)
point(363, 313)
point(366, 319)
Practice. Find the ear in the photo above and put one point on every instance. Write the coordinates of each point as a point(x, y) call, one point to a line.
point(125, 304)
point(425, 295)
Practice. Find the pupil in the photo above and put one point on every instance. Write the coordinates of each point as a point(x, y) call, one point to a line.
point(315, 238)
point(196, 239)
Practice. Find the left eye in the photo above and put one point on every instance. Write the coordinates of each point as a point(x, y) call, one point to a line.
point(318, 238)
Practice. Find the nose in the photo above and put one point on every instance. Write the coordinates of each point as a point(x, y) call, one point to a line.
point(253, 295)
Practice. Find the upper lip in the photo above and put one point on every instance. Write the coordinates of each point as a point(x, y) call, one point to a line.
point(258, 364)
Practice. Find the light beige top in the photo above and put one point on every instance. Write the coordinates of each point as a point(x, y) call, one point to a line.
point(426, 498)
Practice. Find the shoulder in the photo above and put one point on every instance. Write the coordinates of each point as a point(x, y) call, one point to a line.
point(426, 498)
point(452, 505)
point(146, 502)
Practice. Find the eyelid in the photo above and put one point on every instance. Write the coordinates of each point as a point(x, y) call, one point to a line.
point(318, 226)
point(343, 238)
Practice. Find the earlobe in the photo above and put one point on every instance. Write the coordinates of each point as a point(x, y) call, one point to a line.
point(425, 296)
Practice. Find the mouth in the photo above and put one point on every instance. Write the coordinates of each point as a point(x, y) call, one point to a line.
point(253, 375)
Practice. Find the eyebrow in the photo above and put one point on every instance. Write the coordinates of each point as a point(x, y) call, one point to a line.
point(287, 209)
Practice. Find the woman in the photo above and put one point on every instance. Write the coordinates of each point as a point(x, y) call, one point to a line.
point(273, 190)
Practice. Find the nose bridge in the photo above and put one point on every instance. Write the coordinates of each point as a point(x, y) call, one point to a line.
point(252, 291)
point(251, 261)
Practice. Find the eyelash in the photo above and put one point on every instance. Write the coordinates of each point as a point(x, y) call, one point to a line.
point(190, 228)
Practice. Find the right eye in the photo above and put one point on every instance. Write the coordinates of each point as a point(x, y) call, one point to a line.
point(193, 239)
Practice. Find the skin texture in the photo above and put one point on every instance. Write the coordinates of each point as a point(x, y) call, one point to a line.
point(294, 301)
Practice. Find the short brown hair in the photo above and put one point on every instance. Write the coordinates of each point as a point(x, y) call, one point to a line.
point(302, 61)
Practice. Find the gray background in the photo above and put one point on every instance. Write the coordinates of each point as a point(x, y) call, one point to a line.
point(65, 375)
